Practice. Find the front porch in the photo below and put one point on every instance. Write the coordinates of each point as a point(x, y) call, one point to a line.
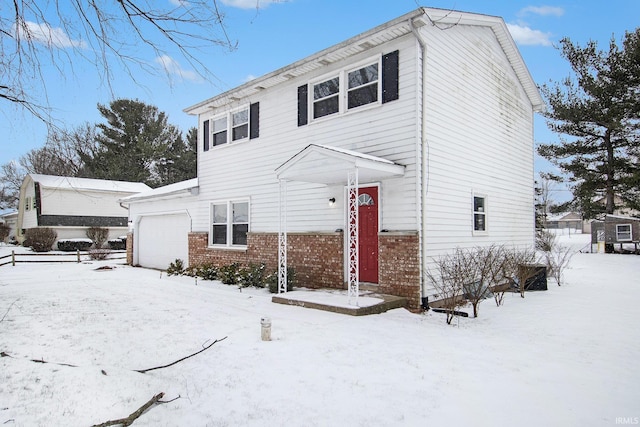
point(336, 301)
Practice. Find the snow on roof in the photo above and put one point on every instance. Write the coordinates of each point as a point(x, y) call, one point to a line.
point(630, 218)
point(167, 190)
point(51, 181)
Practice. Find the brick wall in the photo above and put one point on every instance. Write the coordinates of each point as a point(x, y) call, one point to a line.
point(399, 266)
point(130, 248)
point(318, 259)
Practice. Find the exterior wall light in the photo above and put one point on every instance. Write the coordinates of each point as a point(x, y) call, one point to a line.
point(332, 201)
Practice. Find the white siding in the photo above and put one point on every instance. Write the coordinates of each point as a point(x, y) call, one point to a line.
point(479, 136)
point(59, 201)
point(247, 169)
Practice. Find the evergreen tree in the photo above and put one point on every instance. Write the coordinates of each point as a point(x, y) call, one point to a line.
point(132, 145)
point(179, 162)
point(600, 112)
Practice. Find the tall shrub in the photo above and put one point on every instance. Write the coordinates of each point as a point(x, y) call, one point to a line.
point(40, 239)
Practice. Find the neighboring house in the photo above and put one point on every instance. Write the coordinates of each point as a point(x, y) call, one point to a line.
point(363, 162)
point(566, 221)
point(161, 223)
point(10, 219)
point(71, 205)
point(618, 229)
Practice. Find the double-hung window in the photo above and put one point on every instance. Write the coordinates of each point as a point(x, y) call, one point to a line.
point(362, 86)
point(479, 214)
point(219, 129)
point(234, 126)
point(623, 232)
point(229, 223)
point(326, 97)
point(240, 125)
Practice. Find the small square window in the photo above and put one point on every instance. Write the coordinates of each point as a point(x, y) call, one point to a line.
point(623, 232)
point(479, 214)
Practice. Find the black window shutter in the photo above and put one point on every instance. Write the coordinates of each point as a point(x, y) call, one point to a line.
point(205, 135)
point(254, 120)
point(303, 114)
point(390, 77)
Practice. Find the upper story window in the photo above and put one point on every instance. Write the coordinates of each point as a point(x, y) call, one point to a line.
point(372, 83)
point(234, 126)
point(27, 204)
point(363, 86)
point(219, 130)
point(326, 97)
point(623, 232)
point(240, 125)
point(229, 223)
point(479, 213)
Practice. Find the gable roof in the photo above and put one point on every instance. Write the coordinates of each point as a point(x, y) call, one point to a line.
point(381, 34)
point(72, 183)
point(330, 165)
point(184, 188)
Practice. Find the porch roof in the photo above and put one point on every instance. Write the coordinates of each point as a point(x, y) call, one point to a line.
point(321, 164)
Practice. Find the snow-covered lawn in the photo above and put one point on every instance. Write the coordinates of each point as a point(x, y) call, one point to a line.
point(568, 356)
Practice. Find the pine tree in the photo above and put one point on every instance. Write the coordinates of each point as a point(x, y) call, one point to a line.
point(599, 111)
point(132, 145)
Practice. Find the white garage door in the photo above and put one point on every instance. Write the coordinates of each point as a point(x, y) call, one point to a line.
point(162, 239)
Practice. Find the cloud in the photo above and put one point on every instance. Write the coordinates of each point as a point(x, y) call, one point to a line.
point(542, 10)
point(172, 67)
point(179, 2)
point(249, 4)
point(526, 36)
point(51, 37)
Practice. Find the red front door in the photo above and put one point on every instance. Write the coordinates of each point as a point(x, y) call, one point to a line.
point(368, 234)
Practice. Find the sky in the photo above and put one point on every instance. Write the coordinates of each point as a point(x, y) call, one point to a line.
point(280, 32)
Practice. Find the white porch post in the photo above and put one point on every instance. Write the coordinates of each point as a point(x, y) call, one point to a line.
point(282, 238)
point(352, 233)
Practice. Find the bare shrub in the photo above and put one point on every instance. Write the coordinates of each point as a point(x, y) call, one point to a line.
point(4, 232)
point(557, 259)
point(99, 254)
point(545, 240)
point(521, 264)
point(40, 239)
point(488, 275)
point(98, 236)
point(449, 275)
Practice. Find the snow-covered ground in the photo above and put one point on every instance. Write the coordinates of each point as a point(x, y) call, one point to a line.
point(568, 356)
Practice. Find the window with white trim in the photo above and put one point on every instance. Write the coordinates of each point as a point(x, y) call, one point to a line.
point(219, 131)
point(623, 233)
point(233, 126)
point(362, 86)
point(479, 214)
point(326, 97)
point(229, 223)
point(372, 82)
point(27, 204)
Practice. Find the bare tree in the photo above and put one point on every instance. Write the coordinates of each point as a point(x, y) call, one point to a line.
point(10, 181)
point(61, 154)
point(108, 35)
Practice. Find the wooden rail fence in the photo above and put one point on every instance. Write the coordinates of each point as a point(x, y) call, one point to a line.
point(77, 257)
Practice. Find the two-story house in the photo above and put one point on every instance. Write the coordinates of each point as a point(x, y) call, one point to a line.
point(363, 162)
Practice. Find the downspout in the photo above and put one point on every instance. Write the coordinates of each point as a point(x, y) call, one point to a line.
point(421, 157)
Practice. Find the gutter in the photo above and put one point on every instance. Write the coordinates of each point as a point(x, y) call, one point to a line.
point(422, 158)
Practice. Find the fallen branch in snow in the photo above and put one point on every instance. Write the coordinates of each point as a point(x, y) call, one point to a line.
point(131, 418)
point(7, 312)
point(143, 371)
